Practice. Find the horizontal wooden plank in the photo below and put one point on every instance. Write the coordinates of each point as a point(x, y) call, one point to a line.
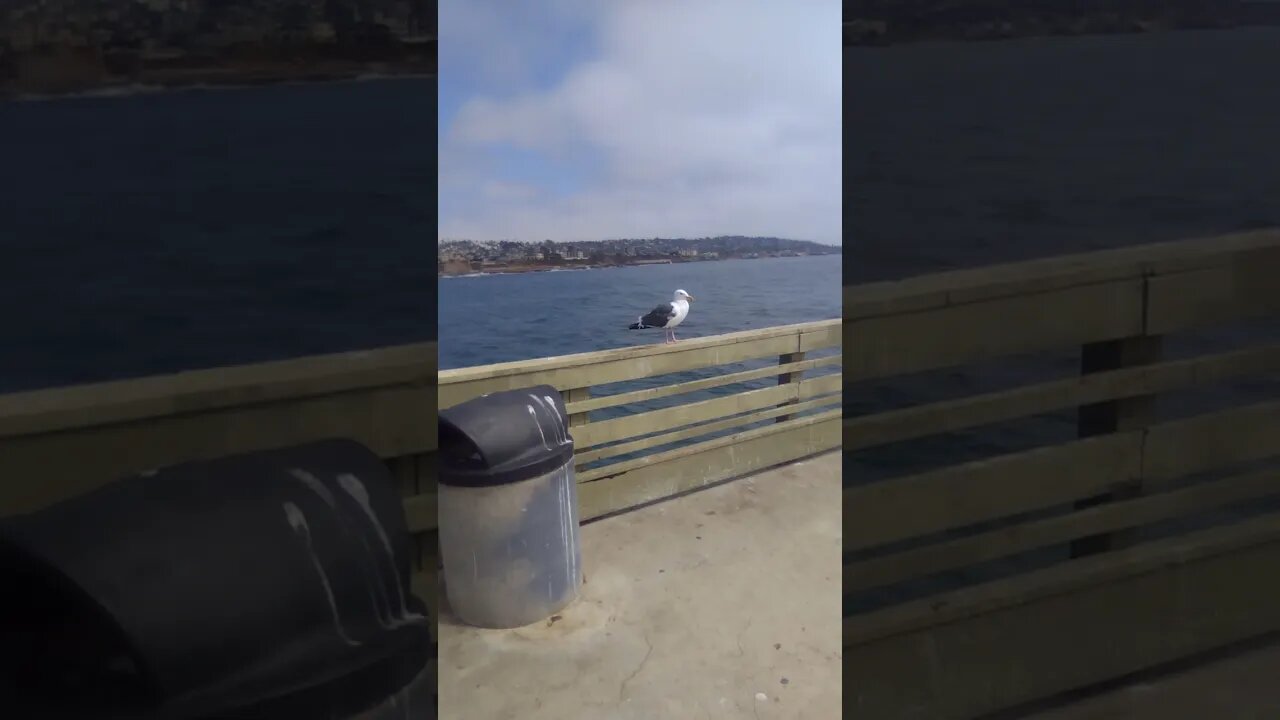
point(38, 470)
point(1245, 288)
point(711, 462)
point(901, 508)
point(1079, 573)
point(1212, 440)
point(818, 386)
point(630, 426)
point(827, 336)
point(198, 391)
point(1075, 626)
point(600, 453)
point(686, 358)
point(953, 335)
point(950, 416)
point(634, 463)
point(938, 290)
point(654, 393)
point(609, 366)
point(638, 353)
point(1003, 542)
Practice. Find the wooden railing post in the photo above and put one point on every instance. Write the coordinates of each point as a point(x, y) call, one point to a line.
point(790, 377)
point(577, 395)
point(1115, 416)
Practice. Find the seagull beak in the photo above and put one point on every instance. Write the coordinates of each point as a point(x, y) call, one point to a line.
point(690, 297)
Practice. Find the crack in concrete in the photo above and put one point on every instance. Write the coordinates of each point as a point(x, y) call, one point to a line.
point(622, 689)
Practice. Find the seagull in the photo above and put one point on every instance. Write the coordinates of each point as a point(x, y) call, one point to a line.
point(666, 316)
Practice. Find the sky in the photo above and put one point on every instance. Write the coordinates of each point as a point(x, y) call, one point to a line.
point(575, 120)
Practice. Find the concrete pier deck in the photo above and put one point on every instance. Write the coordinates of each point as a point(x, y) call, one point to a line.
point(722, 604)
point(1241, 686)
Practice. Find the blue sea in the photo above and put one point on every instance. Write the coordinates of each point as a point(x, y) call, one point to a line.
point(158, 232)
point(502, 317)
point(963, 154)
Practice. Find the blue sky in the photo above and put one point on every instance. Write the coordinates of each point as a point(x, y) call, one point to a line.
point(579, 120)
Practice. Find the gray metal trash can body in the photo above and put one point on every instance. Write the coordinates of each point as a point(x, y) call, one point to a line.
point(508, 508)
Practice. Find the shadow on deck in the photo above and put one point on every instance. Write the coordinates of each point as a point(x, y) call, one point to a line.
point(1237, 683)
point(724, 604)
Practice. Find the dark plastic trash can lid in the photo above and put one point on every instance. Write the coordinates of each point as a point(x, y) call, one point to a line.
point(504, 437)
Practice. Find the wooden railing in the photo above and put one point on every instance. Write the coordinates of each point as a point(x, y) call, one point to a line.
point(1105, 596)
point(709, 430)
point(59, 443)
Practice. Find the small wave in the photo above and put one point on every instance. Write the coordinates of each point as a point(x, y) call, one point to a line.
point(370, 77)
point(114, 91)
point(117, 91)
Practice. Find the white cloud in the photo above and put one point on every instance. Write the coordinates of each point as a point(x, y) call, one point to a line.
point(506, 191)
point(718, 116)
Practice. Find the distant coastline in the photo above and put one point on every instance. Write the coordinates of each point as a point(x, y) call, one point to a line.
point(880, 23)
point(68, 74)
point(220, 78)
point(458, 258)
point(123, 89)
point(77, 47)
point(498, 269)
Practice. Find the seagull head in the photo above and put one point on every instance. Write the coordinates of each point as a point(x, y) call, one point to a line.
point(682, 295)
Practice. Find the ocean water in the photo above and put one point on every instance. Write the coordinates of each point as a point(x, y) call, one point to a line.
point(965, 154)
point(158, 232)
point(503, 317)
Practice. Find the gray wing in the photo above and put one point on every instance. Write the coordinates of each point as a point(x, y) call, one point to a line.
point(659, 316)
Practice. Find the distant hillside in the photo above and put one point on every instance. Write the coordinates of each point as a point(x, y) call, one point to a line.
point(888, 22)
point(723, 246)
point(463, 256)
point(729, 244)
point(54, 46)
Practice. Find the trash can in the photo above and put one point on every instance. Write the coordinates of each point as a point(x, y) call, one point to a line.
point(508, 508)
point(264, 585)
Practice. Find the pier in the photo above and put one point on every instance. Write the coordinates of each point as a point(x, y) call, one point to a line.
point(711, 538)
point(757, 558)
